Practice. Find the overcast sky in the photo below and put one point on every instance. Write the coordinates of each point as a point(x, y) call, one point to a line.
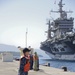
point(18, 15)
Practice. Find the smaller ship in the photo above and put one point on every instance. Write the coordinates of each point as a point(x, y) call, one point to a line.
point(60, 43)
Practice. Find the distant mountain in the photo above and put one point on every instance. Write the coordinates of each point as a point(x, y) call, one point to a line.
point(10, 48)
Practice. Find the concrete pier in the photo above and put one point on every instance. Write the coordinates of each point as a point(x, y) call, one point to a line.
point(11, 68)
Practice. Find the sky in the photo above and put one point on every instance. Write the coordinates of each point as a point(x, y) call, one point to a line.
point(19, 16)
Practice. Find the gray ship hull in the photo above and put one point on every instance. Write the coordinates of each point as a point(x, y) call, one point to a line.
point(61, 50)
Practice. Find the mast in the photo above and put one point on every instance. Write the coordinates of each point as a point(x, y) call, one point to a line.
point(60, 8)
point(26, 36)
point(61, 11)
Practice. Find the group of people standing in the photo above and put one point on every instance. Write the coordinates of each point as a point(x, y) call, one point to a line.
point(28, 62)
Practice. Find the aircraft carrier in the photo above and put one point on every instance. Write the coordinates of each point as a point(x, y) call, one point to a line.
point(60, 42)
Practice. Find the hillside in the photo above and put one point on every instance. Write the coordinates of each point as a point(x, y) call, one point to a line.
point(9, 48)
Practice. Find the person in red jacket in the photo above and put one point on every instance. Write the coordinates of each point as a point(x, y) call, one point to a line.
point(24, 62)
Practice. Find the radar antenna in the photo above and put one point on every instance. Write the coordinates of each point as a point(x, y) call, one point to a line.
point(62, 13)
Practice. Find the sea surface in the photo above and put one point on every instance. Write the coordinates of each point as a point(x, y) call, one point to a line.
point(59, 64)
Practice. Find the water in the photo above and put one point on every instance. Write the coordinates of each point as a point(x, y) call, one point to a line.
point(59, 64)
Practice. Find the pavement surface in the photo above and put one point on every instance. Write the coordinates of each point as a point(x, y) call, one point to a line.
point(11, 68)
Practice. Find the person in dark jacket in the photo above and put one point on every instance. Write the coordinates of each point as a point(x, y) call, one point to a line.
point(24, 63)
point(31, 62)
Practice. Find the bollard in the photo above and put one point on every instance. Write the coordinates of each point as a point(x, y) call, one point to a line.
point(64, 68)
point(36, 62)
point(48, 64)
